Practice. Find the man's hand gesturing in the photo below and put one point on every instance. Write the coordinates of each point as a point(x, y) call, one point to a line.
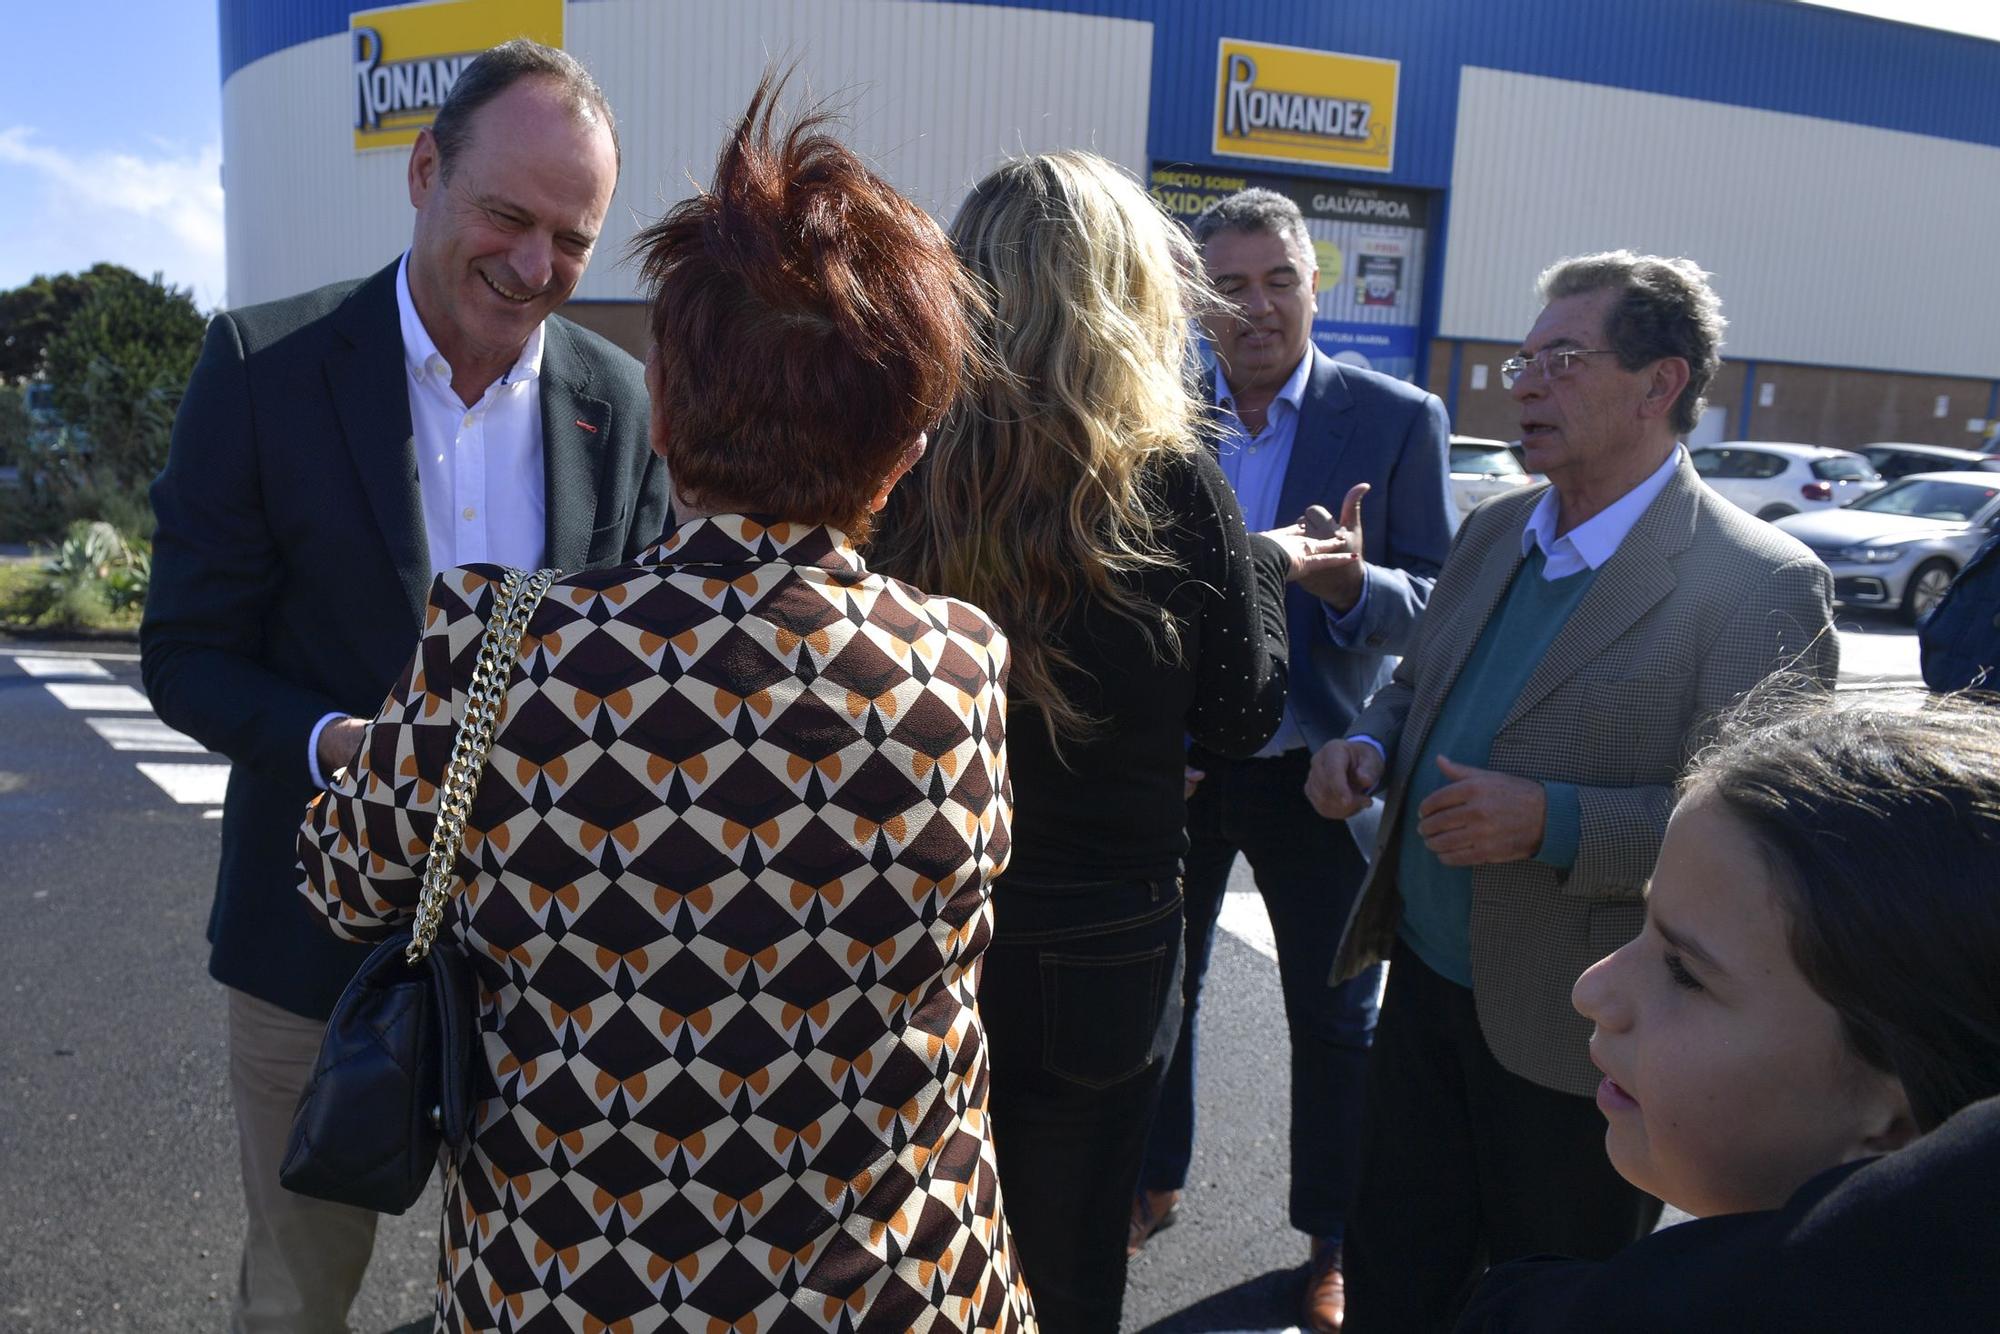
point(1343, 774)
point(1339, 586)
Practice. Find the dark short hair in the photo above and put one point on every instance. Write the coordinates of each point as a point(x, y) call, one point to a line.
point(1882, 827)
point(808, 323)
point(1665, 308)
point(494, 71)
point(1255, 210)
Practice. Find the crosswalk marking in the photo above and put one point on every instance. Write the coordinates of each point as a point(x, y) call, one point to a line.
point(144, 734)
point(189, 784)
point(80, 682)
point(93, 699)
point(43, 666)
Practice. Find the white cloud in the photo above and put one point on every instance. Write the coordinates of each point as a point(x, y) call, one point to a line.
point(69, 210)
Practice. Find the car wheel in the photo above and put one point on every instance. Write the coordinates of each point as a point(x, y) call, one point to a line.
point(1926, 589)
point(1772, 512)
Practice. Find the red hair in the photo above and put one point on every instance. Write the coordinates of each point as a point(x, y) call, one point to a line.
point(808, 322)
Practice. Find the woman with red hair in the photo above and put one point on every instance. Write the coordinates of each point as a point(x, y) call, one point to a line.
point(725, 881)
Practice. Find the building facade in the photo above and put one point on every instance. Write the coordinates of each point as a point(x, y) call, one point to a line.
point(1839, 175)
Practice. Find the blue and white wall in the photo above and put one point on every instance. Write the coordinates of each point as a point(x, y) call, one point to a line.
point(1840, 175)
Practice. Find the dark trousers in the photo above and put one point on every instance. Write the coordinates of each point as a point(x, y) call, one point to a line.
point(1308, 870)
point(1081, 1001)
point(1466, 1164)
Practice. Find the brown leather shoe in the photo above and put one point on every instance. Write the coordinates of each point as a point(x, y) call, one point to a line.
point(1324, 1309)
point(1152, 1211)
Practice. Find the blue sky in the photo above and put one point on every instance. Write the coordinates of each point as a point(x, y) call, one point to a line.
point(111, 133)
point(111, 140)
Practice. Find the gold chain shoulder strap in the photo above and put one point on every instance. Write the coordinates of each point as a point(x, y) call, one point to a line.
point(485, 705)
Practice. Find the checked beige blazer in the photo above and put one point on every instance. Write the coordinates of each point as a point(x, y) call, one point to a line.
point(1699, 604)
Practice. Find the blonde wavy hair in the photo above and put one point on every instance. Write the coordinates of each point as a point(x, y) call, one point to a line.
point(1036, 493)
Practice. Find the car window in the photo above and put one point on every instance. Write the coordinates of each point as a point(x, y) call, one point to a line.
point(1758, 464)
point(1485, 461)
point(1719, 463)
point(1843, 468)
point(1922, 497)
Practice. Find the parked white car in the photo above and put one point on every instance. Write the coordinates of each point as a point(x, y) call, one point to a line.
point(1772, 481)
point(1480, 470)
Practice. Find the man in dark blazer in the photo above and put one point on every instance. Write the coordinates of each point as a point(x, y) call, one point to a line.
point(333, 452)
point(1579, 642)
point(1302, 433)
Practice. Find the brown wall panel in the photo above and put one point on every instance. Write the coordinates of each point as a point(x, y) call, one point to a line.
point(1818, 405)
point(623, 322)
point(1490, 411)
point(1813, 405)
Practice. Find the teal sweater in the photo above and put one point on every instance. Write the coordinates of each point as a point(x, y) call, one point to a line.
point(1437, 899)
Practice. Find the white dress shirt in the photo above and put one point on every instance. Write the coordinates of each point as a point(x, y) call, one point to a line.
point(1590, 543)
point(479, 468)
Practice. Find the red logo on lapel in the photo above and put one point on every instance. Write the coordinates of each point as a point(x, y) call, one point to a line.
point(586, 426)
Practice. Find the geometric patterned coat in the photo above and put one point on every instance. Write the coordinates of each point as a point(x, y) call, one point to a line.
point(725, 891)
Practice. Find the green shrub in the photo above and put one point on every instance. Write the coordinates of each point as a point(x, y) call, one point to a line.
point(94, 580)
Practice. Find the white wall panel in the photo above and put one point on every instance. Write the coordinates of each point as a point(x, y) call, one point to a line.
point(936, 95)
point(301, 208)
point(1831, 244)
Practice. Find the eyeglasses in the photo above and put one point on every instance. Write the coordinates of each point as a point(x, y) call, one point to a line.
point(1551, 363)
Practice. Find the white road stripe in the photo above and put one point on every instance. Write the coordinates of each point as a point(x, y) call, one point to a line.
point(144, 734)
point(52, 666)
point(189, 784)
point(6, 652)
point(1243, 916)
point(95, 699)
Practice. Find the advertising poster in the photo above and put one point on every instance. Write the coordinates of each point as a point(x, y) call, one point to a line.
point(1292, 104)
point(406, 57)
point(1369, 241)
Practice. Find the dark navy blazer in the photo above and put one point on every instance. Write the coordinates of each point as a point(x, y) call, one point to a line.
point(290, 571)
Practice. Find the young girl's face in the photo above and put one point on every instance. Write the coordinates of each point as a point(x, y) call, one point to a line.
point(1729, 1083)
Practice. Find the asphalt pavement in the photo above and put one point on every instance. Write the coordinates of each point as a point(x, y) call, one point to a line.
point(119, 1198)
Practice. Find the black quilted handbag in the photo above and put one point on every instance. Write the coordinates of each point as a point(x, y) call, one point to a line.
point(393, 1082)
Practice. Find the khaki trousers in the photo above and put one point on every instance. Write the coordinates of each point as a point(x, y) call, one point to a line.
point(302, 1258)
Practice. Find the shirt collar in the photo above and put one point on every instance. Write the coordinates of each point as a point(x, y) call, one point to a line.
point(420, 350)
point(1292, 392)
point(1597, 537)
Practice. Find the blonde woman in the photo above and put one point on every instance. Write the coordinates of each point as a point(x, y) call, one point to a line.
point(1073, 500)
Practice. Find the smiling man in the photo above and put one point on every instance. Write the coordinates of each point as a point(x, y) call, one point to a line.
point(1302, 434)
point(334, 451)
point(1577, 645)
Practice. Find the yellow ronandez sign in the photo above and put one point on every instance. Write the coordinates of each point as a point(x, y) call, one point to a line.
point(407, 57)
point(1288, 104)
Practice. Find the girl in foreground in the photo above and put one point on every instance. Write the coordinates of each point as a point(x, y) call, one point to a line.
point(1817, 986)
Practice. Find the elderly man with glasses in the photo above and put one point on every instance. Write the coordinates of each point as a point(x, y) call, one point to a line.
point(1578, 641)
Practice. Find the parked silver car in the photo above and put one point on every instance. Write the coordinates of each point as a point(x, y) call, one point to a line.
point(1901, 546)
point(1480, 470)
point(1772, 480)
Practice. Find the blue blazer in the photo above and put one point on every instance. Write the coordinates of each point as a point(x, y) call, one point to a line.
point(1361, 426)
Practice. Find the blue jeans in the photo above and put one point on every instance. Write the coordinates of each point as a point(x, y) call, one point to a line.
point(1081, 1000)
point(1308, 870)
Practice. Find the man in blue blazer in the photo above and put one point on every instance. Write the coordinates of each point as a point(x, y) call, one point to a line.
point(334, 451)
point(1303, 438)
